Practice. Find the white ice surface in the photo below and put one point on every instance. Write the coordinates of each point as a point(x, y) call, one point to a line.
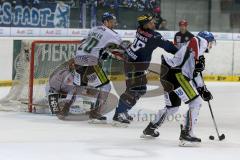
point(25, 136)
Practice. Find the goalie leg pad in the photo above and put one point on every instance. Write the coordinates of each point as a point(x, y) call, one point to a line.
point(64, 107)
point(53, 102)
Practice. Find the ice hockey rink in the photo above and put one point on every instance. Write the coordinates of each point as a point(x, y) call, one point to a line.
point(27, 136)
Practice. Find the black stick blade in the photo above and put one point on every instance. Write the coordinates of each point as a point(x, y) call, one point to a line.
point(222, 137)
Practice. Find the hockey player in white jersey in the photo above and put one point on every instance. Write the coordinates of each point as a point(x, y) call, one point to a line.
point(87, 66)
point(183, 81)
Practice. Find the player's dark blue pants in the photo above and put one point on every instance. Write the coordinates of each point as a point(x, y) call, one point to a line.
point(135, 86)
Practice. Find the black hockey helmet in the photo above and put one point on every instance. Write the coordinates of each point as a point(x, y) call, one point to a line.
point(144, 19)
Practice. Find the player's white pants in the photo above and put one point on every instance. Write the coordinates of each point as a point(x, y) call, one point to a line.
point(190, 120)
point(192, 114)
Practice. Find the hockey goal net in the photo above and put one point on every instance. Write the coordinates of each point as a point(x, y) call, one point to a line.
point(34, 63)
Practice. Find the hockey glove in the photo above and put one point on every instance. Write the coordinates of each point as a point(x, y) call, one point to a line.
point(200, 65)
point(205, 93)
point(125, 44)
point(104, 55)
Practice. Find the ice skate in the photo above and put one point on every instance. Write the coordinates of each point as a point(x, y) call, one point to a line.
point(187, 140)
point(120, 120)
point(130, 118)
point(150, 131)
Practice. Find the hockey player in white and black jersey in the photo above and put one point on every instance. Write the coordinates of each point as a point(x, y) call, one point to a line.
point(183, 82)
point(87, 68)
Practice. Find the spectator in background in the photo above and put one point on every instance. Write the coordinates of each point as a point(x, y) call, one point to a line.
point(183, 36)
point(141, 6)
point(36, 2)
point(138, 4)
point(157, 17)
point(163, 25)
point(151, 3)
point(61, 15)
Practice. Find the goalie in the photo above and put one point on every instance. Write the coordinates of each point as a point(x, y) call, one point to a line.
point(66, 88)
point(84, 72)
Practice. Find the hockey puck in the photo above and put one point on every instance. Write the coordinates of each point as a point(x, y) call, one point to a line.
point(211, 137)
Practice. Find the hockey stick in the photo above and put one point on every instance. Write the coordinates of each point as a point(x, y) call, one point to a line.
point(222, 136)
point(120, 57)
point(154, 72)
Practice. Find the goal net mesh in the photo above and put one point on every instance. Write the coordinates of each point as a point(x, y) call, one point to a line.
point(34, 63)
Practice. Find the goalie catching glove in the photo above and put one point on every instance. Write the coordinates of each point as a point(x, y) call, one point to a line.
point(205, 93)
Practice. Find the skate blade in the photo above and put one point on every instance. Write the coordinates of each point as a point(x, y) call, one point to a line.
point(119, 124)
point(144, 136)
point(96, 121)
point(184, 143)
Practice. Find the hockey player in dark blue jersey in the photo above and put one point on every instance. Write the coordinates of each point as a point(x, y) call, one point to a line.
point(139, 53)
